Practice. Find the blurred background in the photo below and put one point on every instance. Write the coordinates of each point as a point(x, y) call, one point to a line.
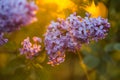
point(101, 59)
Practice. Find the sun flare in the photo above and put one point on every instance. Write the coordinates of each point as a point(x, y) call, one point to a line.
point(97, 10)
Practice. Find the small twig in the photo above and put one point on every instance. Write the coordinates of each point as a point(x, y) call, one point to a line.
point(83, 65)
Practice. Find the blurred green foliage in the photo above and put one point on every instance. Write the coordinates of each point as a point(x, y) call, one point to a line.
point(102, 58)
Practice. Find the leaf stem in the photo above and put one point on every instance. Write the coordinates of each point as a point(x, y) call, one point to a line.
point(83, 65)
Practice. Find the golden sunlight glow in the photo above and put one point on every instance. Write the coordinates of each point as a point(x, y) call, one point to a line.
point(62, 4)
point(99, 10)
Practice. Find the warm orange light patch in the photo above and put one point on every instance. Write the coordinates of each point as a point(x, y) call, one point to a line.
point(97, 10)
point(62, 4)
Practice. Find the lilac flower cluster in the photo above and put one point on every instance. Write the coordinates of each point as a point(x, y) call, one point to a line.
point(70, 34)
point(30, 49)
point(16, 13)
point(2, 40)
point(87, 29)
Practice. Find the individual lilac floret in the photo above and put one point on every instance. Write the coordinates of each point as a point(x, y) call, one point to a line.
point(16, 13)
point(56, 59)
point(71, 33)
point(2, 40)
point(30, 49)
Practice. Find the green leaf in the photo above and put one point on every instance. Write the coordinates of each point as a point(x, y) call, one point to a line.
point(13, 65)
point(109, 47)
point(117, 46)
point(102, 68)
point(91, 61)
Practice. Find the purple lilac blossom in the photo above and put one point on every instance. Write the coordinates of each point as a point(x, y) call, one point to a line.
point(16, 13)
point(55, 42)
point(30, 49)
point(71, 33)
point(58, 39)
point(86, 29)
point(56, 59)
point(2, 40)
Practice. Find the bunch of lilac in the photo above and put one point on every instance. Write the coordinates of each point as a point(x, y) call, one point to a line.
point(30, 49)
point(55, 42)
point(70, 34)
point(86, 29)
point(15, 14)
